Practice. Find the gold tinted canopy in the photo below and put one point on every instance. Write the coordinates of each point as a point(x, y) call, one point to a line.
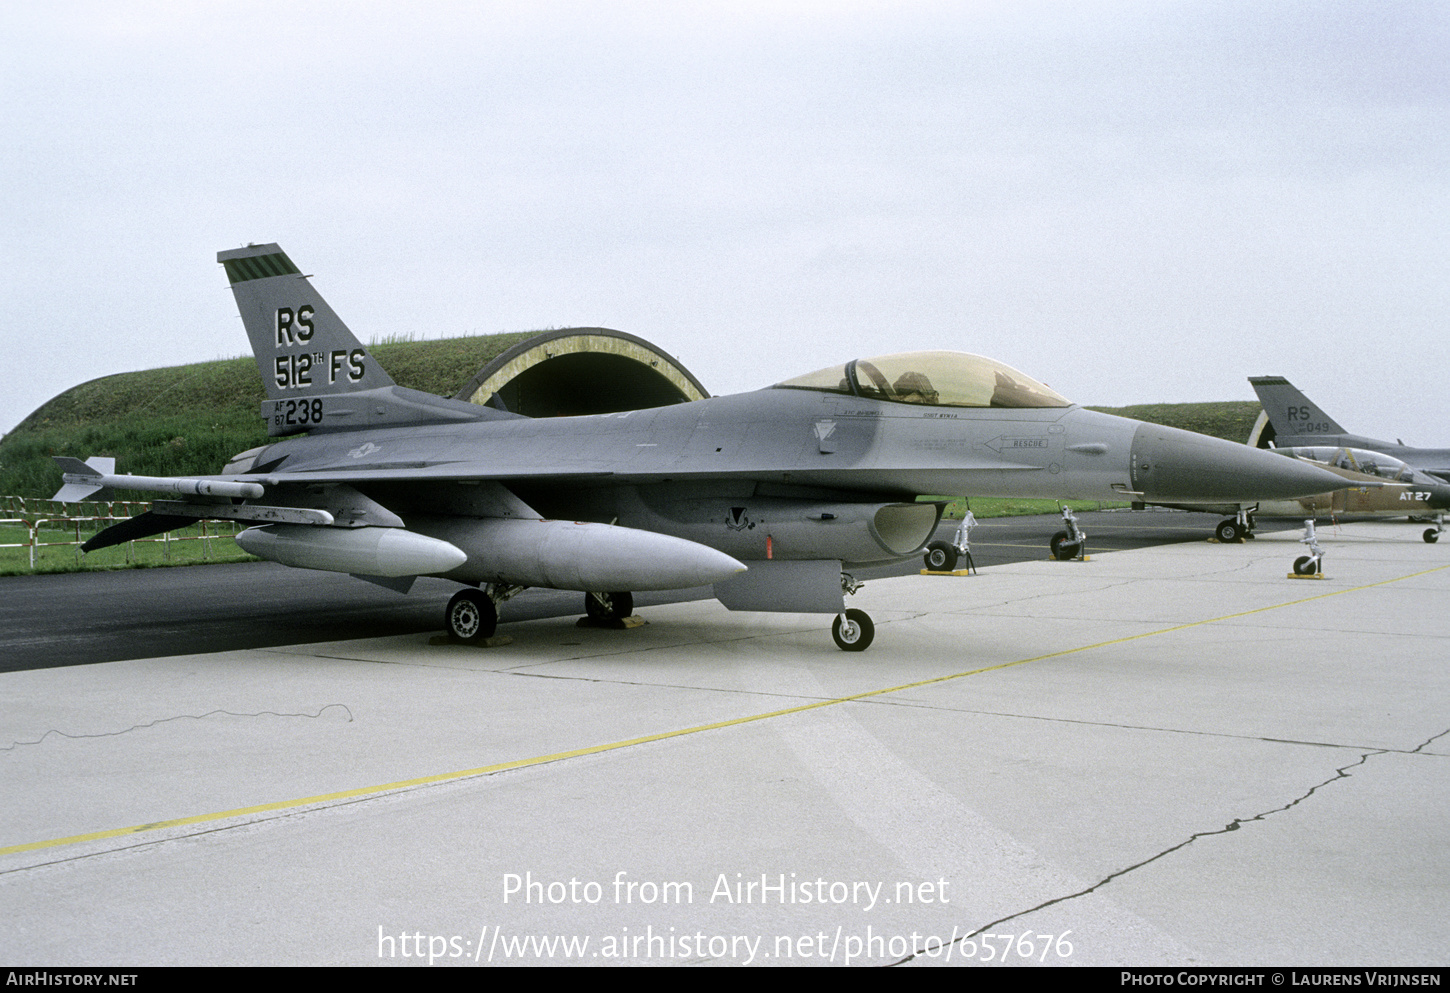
point(936, 379)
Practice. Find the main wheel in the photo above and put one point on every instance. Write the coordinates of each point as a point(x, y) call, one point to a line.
point(1431, 536)
point(608, 606)
point(1228, 531)
point(1062, 549)
point(471, 616)
point(1305, 565)
point(940, 557)
point(856, 633)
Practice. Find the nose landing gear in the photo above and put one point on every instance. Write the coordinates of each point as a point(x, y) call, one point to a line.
point(1309, 566)
point(941, 556)
point(1070, 543)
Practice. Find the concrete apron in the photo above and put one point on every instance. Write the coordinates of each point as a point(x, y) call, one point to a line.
point(1174, 755)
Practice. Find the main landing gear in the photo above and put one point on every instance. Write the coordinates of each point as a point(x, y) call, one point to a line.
point(1233, 528)
point(602, 608)
point(471, 617)
point(1069, 543)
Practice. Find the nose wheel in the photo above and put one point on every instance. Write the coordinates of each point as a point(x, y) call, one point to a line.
point(853, 630)
point(1311, 564)
point(1069, 543)
point(943, 556)
point(940, 557)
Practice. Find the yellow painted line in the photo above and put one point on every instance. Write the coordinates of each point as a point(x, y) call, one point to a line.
point(486, 770)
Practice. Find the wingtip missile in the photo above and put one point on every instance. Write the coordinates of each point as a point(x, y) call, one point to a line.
point(94, 478)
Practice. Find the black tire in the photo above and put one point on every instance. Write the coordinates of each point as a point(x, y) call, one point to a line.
point(471, 617)
point(1064, 550)
point(1228, 531)
point(1305, 565)
point(940, 557)
point(608, 606)
point(1431, 536)
point(858, 631)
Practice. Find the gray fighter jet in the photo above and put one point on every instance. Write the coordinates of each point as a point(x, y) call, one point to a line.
point(1373, 486)
point(1295, 420)
point(771, 497)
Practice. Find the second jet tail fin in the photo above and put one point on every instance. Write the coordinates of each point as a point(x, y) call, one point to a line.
point(1290, 412)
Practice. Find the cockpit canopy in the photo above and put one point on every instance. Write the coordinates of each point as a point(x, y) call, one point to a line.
point(936, 379)
point(1360, 460)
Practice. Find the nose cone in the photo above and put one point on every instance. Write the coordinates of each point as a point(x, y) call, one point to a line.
point(1173, 466)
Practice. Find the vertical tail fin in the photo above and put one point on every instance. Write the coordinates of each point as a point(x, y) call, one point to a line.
point(302, 347)
point(1289, 411)
point(318, 376)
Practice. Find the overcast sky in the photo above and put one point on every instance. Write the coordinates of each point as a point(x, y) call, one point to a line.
point(1134, 202)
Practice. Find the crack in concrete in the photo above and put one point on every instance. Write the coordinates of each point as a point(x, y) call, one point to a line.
point(1341, 773)
point(179, 717)
point(1428, 741)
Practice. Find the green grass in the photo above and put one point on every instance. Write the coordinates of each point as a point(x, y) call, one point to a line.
point(984, 507)
point(1232, 420)
point(57, 550)
point(189, 420)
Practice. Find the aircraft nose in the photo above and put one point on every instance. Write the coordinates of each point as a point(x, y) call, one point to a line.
point(1173, 466)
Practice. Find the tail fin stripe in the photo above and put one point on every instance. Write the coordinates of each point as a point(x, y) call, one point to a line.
point(259, 267)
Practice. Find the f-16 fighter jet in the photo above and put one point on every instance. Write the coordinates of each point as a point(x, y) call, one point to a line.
point(771, 497)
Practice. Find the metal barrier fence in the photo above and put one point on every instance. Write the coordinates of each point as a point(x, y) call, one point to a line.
point(44, 520)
